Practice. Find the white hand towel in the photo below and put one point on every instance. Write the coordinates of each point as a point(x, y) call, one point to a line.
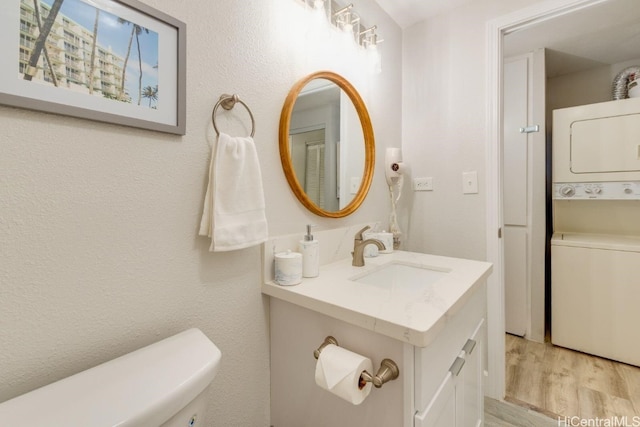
point(233, 214)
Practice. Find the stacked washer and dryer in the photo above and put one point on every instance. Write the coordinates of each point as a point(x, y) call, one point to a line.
point(595, 248)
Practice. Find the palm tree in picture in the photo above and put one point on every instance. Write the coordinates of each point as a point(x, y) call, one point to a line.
point(151, 93)
point(135, 31)
point(42, 38)
point(92, 67)
point(141, 29)
point(121, 92)
point(52, 71)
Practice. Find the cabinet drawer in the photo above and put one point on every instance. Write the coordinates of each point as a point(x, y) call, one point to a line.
point(432, 363)
point(442, 409)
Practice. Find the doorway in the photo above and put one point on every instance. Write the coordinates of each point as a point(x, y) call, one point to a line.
point(517, 26)
point(554, 380)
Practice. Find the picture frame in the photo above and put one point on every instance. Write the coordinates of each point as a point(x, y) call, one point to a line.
point(113, 61)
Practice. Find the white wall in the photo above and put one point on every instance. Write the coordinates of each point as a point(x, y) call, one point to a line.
point(98, 223)
point(584, 87)
point(444, 127)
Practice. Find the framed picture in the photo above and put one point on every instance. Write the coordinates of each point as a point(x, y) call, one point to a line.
point(115, 61)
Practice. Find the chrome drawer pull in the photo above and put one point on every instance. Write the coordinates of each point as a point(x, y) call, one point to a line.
point(457, 366)
point(469, 346)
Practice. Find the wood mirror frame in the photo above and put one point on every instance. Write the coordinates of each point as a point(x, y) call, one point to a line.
point(367, 132)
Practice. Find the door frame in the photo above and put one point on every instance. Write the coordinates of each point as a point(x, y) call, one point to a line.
point(496, 29)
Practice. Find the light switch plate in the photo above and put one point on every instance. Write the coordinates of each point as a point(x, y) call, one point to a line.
point(470, 182)
point(354, 184)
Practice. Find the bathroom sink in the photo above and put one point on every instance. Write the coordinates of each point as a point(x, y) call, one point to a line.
point(404, 295)
point(399, 274)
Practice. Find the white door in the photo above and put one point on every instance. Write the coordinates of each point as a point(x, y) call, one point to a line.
point(516, 109)
point(524, 194)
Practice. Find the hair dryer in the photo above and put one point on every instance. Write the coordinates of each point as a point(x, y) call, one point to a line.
point(393, 166)
point(394, 170)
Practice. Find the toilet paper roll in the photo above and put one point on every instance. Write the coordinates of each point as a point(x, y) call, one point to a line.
point(338, 371)
point(288, 268)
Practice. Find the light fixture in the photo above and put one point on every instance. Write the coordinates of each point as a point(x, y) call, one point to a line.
point(320, 8)
point(369, 40)
point(348, 23)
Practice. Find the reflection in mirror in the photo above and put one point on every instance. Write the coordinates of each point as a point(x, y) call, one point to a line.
point(326, 157)
point(328, 171)
point(308, 157)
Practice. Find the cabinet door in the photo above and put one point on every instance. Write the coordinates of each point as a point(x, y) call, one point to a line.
point(441, 411)
point(470, 393)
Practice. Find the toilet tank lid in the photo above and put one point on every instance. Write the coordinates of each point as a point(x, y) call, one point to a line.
point(142, 388)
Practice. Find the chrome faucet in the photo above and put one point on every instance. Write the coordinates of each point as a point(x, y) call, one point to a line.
point(358, 247)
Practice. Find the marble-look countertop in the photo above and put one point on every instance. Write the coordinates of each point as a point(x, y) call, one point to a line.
point(410, 313)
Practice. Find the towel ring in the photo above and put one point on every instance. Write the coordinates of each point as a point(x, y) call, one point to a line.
point(228, 102)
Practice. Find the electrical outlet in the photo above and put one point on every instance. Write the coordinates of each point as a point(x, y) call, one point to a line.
point(423, 184)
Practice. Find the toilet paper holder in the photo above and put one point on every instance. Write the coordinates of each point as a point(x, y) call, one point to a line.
point(388, 370)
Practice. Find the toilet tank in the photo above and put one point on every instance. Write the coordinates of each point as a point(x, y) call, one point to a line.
point(152, 386)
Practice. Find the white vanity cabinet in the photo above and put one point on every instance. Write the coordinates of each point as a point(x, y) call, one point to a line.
point(449, 373)
point(440, 385)
point(433, 326)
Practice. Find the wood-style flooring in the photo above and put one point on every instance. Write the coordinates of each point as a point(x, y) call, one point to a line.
point(562, 383)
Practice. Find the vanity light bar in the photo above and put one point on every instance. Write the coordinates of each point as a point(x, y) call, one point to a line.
point(369, 37)
point(343, 10)
point(369, 30)
point(346, 16)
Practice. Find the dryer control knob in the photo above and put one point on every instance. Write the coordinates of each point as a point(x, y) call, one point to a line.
point(628, 191)
point(568, 191)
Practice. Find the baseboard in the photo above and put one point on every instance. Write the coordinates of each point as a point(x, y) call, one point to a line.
point(519, 413)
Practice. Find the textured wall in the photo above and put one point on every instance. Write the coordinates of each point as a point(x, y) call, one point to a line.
point(98, 223)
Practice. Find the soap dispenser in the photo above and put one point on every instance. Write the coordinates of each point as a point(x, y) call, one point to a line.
point(310, 250)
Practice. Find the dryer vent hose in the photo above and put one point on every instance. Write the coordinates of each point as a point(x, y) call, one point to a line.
point(619, 88)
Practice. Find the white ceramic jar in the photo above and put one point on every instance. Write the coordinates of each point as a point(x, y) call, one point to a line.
point(288, 268)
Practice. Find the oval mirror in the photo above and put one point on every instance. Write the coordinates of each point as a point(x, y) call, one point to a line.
point(327, 147)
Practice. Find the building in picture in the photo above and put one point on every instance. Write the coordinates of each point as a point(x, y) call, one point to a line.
point(66, 59)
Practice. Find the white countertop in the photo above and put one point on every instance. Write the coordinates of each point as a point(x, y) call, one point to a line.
point(409, 313)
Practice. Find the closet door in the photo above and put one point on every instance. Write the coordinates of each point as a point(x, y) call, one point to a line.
point(515, 279)
point(515, 185)
point(524, 194)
